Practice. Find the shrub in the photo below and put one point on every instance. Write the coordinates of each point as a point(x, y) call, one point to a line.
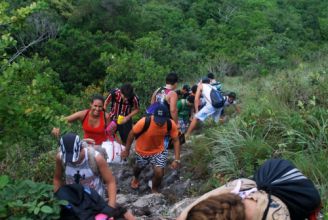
point(25, 199)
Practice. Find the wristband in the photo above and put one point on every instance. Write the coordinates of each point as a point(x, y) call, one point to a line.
point(178, 161)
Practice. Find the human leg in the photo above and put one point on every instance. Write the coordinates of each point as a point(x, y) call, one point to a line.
point(204, 113)
point(124, 129)
point(159, 162)
point(141, 163)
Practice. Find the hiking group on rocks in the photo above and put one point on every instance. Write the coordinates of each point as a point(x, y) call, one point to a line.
point(168, 122)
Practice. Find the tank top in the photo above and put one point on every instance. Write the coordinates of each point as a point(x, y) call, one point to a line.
point(98, 134)
point(161, 97)
point(206, 91)
point(87, 177)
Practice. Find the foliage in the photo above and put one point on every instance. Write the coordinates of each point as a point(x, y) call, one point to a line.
point(25, 199)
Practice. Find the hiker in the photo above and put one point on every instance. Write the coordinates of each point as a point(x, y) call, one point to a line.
point(93, 121)
point(85, 166)
point(167, 96)
point(279, 191)
point(229, 100)
point(150, 148)
point(185, 108)
point(204, 89)
point(125, 104)
point(213, 82)
point(184, 92)
point(73, 163)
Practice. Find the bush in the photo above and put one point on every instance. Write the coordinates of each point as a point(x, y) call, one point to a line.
point(25, 199)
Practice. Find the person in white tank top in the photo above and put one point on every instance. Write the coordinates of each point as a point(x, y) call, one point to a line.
point(203, 89)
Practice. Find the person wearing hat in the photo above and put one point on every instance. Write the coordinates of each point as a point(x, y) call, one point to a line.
point(73, 162)
point(150, 148)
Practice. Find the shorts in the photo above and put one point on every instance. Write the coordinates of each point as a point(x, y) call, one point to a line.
point(158, 160)
point(184, 124)
point(124, 130)
point(207, 111)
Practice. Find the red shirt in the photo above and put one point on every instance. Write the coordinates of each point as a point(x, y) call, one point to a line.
point(98, 133)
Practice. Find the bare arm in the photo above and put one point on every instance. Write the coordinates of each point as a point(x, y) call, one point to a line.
point(175, 164)
point(197, 96)
point(129, 141)
point(71, 118)
point(57, 180)
point(172, 100)
point(109, 179)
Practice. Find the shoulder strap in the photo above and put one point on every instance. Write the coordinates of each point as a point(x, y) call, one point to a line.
point(169, 125)
point(145, 127)
point(85, 116)
point(92, 160)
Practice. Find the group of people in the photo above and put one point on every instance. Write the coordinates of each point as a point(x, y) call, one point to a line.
point(167, 118)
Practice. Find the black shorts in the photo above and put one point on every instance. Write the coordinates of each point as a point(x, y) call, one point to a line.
point(124, 130)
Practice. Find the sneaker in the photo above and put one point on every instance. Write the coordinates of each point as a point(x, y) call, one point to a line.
point(134, 183)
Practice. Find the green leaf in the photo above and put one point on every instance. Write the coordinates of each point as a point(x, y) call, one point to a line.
point(46, 209)
point(36, 210)
point(4, 180)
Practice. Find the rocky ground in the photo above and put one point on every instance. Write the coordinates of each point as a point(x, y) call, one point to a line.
point(147, 206)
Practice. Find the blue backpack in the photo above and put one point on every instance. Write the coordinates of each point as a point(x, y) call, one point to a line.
point(217, 98)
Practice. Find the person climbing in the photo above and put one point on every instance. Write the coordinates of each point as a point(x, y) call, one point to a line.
point(124, 102)
point(184, 92)
point(166, 95)
point(93, 121)
point(204, 89)
point(73, 163)
point(229, 100)
point(149, 133)
point(83, 165)
point(185, 108)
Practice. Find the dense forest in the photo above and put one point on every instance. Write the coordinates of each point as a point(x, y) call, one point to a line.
point(54, 54)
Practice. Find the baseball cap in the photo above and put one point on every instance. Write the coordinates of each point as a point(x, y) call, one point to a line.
point(161, 114)
point(70, 147)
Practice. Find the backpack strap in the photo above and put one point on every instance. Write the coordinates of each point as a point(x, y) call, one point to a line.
point(85, 116)
point(169, 125)
point(145, 127)
point(92, 160)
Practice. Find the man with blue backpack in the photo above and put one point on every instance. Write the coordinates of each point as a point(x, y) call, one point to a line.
point(214, 102)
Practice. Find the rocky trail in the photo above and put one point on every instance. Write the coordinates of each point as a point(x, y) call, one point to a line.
point(145, 205)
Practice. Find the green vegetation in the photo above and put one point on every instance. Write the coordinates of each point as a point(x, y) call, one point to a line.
point(55, 54)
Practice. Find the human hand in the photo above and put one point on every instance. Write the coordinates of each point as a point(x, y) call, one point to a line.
point(125, 119)
point(175, 164)
point(125, 154)
point(55, 132)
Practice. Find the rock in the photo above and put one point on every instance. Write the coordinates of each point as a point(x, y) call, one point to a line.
point(177, 208)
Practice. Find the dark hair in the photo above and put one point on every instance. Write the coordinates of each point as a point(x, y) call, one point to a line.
point(232, 95)
point(210, 75)
point(191, 99)
point(205, 80)
point(186, 87)
point(227, 206)
point(171, 78)
point(127, 90)
point(97, 97)
point(194, 88)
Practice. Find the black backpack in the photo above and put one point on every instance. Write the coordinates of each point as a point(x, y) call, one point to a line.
point(217, 98)
point(147, 124)
point(84, 203)
point(282, 179)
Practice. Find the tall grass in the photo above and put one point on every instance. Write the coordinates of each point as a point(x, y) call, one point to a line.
point(283, 115)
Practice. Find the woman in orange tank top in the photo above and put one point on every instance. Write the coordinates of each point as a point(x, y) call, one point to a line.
point(93, 121)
